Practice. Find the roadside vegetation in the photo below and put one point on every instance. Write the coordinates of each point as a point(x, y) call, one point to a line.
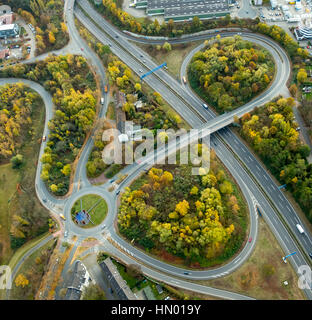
point(112, 11)
point(72, 85)
point(197, 221)
point(47, 18)
point(154, 113)
point(22, 217)
point(301, 89)
point(271, 131)
point(172, 54)
point(263, 274)
point(229, 72)
point(28, 279)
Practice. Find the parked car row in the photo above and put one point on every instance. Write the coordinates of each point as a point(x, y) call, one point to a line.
point(31, 27)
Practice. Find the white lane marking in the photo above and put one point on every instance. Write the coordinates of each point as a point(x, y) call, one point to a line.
point(258, 167)
point(265, 177)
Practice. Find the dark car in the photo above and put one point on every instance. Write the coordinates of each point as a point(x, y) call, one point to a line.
point(186, 272)
point(310, 255)
point(117, 193)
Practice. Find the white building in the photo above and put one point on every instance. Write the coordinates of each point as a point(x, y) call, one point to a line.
point(273, 4)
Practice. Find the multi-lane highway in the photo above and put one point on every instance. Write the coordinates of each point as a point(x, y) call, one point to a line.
point(255, 183)
point(185, 102)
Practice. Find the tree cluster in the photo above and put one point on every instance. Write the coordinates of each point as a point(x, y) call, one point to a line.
point(271, 130)
point(46, 17)
point(230, 72)
point(72, 85)
point(16, 103)
point(197, 218)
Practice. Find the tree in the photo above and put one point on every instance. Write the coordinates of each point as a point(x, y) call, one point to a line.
point(21, 281)
point(167, 46)
point(66, 170)
point(53, 188)
point(302, 75)
point(93, 292)
point(195, 23)
point(137, 87)
point(17, 161)
point(135, 271)
point(293, 90)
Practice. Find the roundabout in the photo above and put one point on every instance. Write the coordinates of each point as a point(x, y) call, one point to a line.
point(89, 211)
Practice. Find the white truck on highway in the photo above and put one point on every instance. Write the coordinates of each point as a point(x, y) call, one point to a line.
point(102, 100)
point(300, 229)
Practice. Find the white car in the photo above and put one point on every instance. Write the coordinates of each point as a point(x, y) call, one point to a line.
point(66, 234)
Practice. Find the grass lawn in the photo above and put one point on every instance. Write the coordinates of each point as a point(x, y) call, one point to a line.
point(111, 111)
point(97, 214)
point(8, 181)
point(174, 58)
point(253, 278)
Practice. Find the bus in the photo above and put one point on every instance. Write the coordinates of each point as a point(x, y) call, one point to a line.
point(62, 216)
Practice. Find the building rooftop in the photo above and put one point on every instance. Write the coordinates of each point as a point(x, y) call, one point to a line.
point(4, 27)
point(117, 283)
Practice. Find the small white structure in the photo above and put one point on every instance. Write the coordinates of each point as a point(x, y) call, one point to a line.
point(285, 8)
point(298, 5)
point(273, 4)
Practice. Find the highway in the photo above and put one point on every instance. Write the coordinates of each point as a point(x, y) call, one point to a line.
point(256, 185)
point(131, 54)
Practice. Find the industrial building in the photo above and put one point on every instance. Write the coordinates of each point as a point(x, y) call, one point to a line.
point(8, 30)
point(184, 10)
